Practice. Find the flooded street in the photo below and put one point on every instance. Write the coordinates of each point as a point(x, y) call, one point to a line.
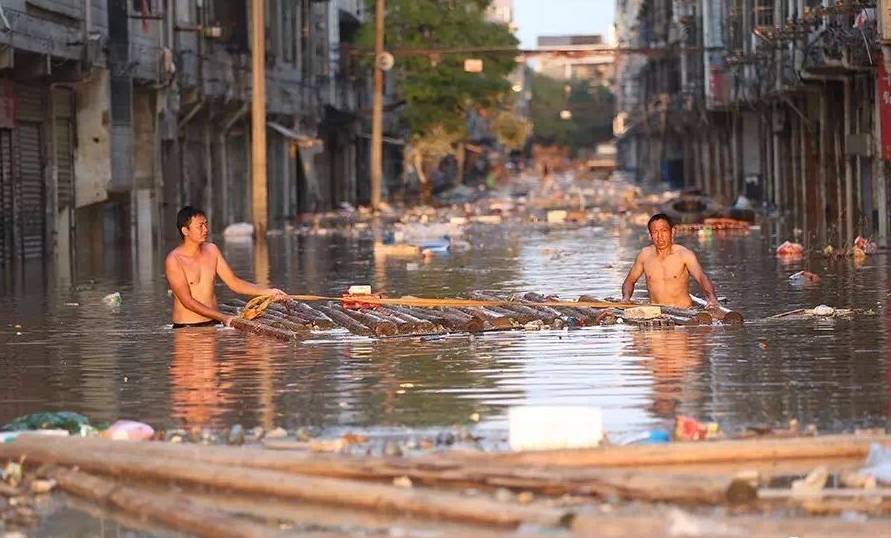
point(74, 353)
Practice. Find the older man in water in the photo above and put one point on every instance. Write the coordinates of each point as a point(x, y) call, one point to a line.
point(192, 269)
point(668, 268)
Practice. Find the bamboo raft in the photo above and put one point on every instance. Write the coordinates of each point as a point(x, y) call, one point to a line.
point(246, 491)
point(290, 318)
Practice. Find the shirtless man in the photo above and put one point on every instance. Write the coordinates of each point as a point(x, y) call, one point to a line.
point(668, 268)
point(191, 270)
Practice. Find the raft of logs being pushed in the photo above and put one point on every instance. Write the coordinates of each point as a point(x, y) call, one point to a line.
point(288, 319)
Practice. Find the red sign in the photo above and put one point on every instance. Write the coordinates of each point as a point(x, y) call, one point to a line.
point(884, 95)
point(7, 104)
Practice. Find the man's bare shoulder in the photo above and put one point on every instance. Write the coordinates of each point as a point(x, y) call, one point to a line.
point(172, 256)
point(646, 253)
point(210, 251)
point(685, 253)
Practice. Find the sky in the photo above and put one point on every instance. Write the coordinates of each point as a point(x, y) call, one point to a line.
point(559, 17)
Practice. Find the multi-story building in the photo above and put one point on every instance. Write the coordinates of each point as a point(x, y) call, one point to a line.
point(117, 112)
point(582, 57)
point(770, 99)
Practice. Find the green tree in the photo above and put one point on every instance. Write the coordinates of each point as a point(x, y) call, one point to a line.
point(437, 91)
point(591, 108)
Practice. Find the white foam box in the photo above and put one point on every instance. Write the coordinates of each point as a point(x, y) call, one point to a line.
point(359, 290)
point(550, 427)
point(557, 216)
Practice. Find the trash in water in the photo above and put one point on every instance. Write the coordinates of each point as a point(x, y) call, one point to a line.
point(865, 244)
point(804, 277)
point(878, 463)
point(690, 429)
point(789, 249)
point(128, 430)
point(822, 310)
point(74, 423)
point(112, 299)
point(435, 246)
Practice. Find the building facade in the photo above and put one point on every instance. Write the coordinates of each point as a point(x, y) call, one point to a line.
point(774, 100)
point(118, 112)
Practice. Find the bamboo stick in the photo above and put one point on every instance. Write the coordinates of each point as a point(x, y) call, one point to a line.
point(285, 323)
point(423, 325)
point(347, 322)
point(643, 486)
point(380, 327)
point(117, 458)
point(319, 319)
point(522, 309)
point(471, 324)
point(171, 509)
point(829, 446)
point(493, 319)
point(404, 326)
point(435, 316)
point(290, 313)
point(720, 313)
point(259, 328)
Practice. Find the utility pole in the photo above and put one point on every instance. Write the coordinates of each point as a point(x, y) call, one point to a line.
point(377, 109)
point(258, 119)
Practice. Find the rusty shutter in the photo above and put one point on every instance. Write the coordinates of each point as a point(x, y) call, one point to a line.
point(31, 195)
point(6, 192)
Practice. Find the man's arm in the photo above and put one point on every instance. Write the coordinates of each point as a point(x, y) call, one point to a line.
point(636, 270)
point(238, 285)
point(176, 277)
point(705, 283)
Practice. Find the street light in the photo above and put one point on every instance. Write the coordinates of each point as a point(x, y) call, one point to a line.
point(565, 114)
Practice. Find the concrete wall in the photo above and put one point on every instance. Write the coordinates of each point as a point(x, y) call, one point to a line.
point(92, 158)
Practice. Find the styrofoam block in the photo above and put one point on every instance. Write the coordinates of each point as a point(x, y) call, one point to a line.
point(554, 427)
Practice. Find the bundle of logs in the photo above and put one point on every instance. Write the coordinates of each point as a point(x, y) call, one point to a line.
point(289, 319)
point(251, 491)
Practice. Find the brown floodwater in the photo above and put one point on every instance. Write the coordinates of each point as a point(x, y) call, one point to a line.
point(61, 348)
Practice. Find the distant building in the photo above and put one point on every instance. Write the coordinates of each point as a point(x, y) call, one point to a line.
point(580, 57)
point(113, 114)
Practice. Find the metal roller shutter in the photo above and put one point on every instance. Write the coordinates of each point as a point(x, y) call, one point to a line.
point(6, 192)
point(31, 195)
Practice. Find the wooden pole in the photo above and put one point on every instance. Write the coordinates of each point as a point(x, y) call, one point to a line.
point(117, 459)
point(258, 118)
point(172, 509)
point(377, 109)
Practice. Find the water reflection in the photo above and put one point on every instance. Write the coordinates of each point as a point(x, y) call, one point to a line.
point(125, 363)
point(674, 359)
point(196, 386)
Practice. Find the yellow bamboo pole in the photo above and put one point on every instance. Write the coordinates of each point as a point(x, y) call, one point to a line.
point(258, 118)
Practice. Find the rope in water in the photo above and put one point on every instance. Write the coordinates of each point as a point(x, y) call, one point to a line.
point(256, 306)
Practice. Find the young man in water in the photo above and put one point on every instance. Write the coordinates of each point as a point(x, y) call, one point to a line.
point(191, 270)
point(668, 268)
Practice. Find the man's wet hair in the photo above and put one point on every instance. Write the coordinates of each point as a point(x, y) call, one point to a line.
point(185, 216)
point(660, 216)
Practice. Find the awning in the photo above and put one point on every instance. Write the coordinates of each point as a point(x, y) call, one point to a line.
point(300, 139)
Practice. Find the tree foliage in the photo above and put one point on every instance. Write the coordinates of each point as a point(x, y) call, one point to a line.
point(436, 89)
point(592, 108)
